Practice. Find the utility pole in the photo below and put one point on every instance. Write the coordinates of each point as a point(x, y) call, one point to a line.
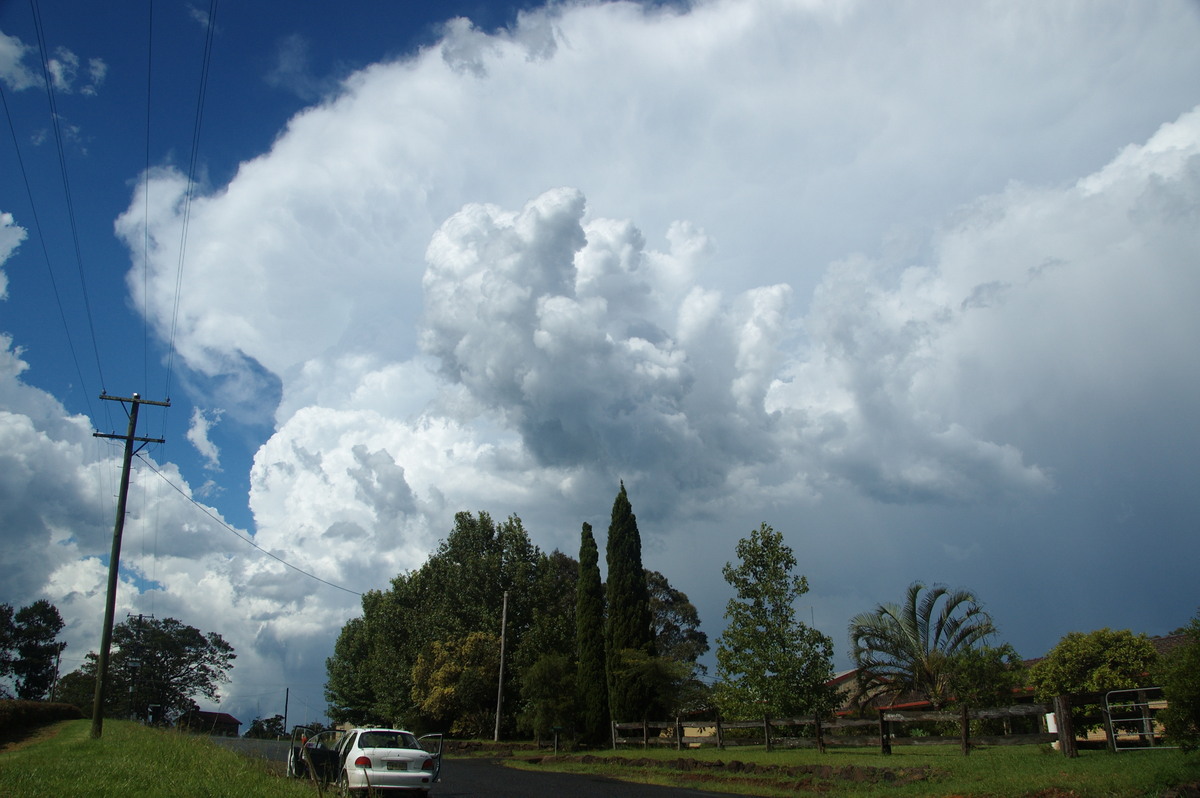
point(500, 688)
point(114, 560)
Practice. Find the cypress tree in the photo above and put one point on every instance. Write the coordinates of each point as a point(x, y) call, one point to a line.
point(591, 684)
point(628, 627)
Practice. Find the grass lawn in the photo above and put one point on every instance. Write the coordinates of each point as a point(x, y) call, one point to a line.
point(1033, 771)
point(132, 761)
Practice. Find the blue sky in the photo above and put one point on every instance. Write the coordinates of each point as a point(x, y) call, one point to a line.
point(913, 285)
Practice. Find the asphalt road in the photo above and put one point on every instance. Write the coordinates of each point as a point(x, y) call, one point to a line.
point(484, 778)
point(270, 750)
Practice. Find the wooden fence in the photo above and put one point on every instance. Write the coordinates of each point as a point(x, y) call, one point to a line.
point(886, 730)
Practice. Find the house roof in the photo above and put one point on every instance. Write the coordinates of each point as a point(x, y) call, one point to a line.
point(212, 717)
point(1164, 643)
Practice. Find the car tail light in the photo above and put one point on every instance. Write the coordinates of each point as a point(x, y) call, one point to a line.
point(427, 764)
point(362, 762)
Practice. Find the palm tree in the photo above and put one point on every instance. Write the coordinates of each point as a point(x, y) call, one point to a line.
point(911, 647)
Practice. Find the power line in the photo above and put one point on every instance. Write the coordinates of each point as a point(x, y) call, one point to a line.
point(62, 162)
point(242, 537)
point(191, 181)
point(37, 226)
point(146, 203)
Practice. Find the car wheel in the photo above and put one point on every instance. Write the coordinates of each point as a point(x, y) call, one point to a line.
point(344, 786)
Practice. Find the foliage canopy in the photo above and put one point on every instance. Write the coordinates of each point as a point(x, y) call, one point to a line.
point(1093, 662)
point(158, 667)
point(591, 683)
point(627, 624)
point(266, 728)
point(29, 648)
point(915, 647)
point(768, 662)
point(1178, 673)
point(455, 599)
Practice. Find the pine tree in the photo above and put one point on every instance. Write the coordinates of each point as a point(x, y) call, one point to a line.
point(628, 631)
point(35, 633)
point(589, 640)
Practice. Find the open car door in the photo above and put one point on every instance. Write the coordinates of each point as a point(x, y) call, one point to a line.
point(320, 755)
point(296, 769)
point(432, 744)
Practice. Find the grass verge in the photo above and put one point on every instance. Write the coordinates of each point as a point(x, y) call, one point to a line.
point(908, 773)
point(133, 761)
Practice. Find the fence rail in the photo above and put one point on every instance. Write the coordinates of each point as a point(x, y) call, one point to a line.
point(887, 729)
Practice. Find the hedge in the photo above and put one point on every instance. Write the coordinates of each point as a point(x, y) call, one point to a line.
point(20, 715)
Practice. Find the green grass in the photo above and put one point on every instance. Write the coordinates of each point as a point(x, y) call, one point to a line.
point(909, 772)
point(131, 761)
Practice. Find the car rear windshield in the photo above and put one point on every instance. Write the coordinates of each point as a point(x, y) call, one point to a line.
point(387, 739)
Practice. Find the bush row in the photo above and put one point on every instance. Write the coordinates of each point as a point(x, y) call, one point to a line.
point(21, 715)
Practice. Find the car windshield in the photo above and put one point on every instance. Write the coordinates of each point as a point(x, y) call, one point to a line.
point(387, 739)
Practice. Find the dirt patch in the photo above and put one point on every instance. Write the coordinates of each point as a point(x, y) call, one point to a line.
point(482, 748)
point(708, 772)
point(1184, 791)
point(16, 739)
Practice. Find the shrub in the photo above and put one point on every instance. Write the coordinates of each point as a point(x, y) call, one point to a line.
point(1178, 673)
point(17, 716)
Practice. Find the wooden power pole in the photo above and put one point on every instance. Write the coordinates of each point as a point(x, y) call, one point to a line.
point(500, 686)
point(114, 560)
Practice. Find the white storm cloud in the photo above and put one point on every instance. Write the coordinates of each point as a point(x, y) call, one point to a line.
point(11, 236)
point(64, 70)
point(751, 256)
point(1036, 302)
point(58, 487)
point(702, 303)
point(13, 71)
point(569, 330)
point(788, 132)
point(197, 435)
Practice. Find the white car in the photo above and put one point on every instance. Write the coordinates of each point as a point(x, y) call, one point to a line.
point(385, 760)
point(366, 760)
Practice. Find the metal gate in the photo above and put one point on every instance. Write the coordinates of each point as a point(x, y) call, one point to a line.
point(1129, 717)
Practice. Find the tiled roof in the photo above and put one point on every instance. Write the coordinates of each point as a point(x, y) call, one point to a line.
point(212, 717)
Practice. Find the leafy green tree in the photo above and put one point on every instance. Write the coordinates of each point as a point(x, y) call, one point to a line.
point(266, 728)
point(159, 666)
point(459, 590)
point(659, 685)
point(675, 623)
point(680, 642)
point(548, 695)
point(1094, 662)
point(911, 648)
point(549, 646)
point(7, 630)
point(35, 633)
point(552, 628)
point(77, 688)
point(454, 683)
point(768, 662)
point(1178, 673)
point(627, 626)
point(591, 682)
point(349, 691)
point(986, 676)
